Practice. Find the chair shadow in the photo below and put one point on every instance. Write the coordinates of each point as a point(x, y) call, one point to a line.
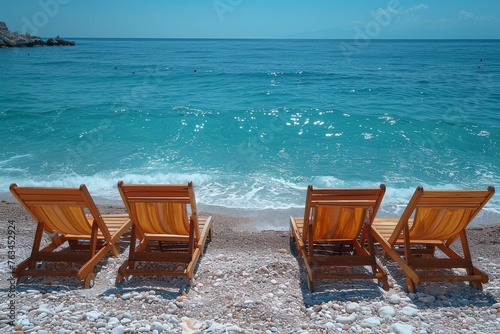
point(456, 294)
point(343, 290)
point(169, 287)
point(52, 283)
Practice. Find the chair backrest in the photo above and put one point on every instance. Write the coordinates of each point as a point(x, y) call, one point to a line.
point(442, 214)
point(61, 209)
point(161, 208)
point(339, 213)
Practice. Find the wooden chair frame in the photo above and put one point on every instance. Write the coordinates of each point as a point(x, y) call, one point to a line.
point(433, 219)
point(349, 244)
point(68, 214)
point(156, 241)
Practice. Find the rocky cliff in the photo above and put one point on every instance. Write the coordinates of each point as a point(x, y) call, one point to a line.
point(9, 39)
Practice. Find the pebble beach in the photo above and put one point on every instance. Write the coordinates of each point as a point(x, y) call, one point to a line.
point(248, 281)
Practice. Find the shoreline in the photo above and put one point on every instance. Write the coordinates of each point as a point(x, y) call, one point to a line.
point(270, 219)
point(248, 281)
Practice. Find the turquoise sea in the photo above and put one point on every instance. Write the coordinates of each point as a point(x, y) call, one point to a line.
point(253, 122)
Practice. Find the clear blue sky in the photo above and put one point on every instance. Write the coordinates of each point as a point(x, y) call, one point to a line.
point(255, 18)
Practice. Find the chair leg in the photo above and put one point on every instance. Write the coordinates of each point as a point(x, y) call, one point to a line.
point(93, 242)
point(310, 283)
point(383, 280)
point(89, 281)
point(378, 272)
point(410, 285)
point(476, 285)
point(36, 249)
point(472, 270)
point(130, 263)
point(310, 274)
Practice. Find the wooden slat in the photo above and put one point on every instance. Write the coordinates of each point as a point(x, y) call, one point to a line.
point(46, 273)
point(170, 257)
point(439, 263)
point(347, 191)
point(457, 278)
point(349, 276)
point(342, 205)
point(456, 193)
point(342, 260)
point(182, 200)
point(50, 194)
point(158, 272)
point(166, 237)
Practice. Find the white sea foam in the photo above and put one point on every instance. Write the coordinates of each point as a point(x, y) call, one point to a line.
point(252, 196)
point(241, 192)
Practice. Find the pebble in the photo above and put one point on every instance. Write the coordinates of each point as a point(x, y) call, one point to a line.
point(372, 322)
point(427, 299)
point(346, 319)
point(45, 309)
point(387, 311)
point(159, 326)
point(435, 291)
point(118, 330)
point(100, 324)
point(126, 296)
point(93, 315)
point(399, 328)
point(352, 307)
point(394, 299)
point(410, 311)
point(263, 270)
point(233, 328)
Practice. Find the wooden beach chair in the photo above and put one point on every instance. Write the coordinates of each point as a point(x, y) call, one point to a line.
point(68, 214)
point(329, 235)
point(433, 219)
point(164, 228)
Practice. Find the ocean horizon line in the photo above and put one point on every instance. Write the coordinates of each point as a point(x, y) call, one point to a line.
point(284, 39)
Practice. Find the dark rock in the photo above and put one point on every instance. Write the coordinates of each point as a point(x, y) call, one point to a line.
point(58, 41)
point(11, 39)
point(3, 26)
